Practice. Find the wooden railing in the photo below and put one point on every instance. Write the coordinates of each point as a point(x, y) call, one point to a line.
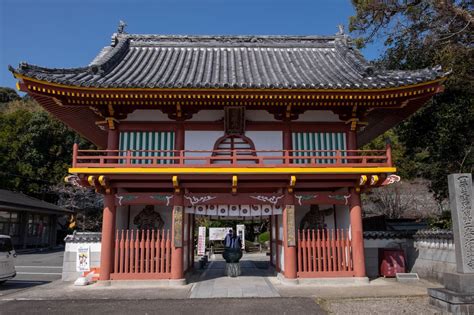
point(231, 158)
point(324, 253)
point(142, 254)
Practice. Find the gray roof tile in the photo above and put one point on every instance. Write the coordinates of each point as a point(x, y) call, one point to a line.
point(270, 62)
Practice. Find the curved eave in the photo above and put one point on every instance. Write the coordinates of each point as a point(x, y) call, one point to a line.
point(373, 90)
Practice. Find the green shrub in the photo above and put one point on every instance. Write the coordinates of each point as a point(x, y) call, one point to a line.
point(264, 237)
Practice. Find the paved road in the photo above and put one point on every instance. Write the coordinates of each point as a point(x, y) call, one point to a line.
point(34, 269)
point(272, 306)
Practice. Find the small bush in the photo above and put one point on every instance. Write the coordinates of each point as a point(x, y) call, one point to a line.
point(264, 237)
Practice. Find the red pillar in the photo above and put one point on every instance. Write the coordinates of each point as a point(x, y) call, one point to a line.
point(113, 139)
point(177, 239)
point(179, 141)
point(357, 236)
point(352, 140)
point(289, 248)
point(108, 232)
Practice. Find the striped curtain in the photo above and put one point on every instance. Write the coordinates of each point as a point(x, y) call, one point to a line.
point(318, 141)
point(147, 140)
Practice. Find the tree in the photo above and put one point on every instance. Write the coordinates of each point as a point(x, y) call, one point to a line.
point(406, 199)
point(8, 95)
point(84, 201)
point(425, 33)
point(35, 149)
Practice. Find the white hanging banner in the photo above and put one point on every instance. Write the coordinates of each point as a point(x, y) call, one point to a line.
point(201, 250)
point(234, 211)
point(241, 233)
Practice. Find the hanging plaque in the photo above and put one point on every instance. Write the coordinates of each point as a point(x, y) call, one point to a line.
point(290, 223)
point(178, 226)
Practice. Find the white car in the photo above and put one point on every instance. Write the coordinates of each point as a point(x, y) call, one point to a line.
point(7, 255)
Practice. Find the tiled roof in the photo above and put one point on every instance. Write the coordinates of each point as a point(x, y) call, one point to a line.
point(258, 62)
point(84, 237)
point(15, 200)
point(388, 234)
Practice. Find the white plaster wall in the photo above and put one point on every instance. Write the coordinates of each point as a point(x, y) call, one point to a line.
point(200, 140)
point(267, 140)
point(342, 217)
point(310, 115)
point(185, 241)
point(281, 249)
point(214, 115)
point(319, 116)
point(147, 115)
point(121, 217)
point(158, 115)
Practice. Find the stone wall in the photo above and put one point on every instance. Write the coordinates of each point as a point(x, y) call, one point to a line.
point(433, 254)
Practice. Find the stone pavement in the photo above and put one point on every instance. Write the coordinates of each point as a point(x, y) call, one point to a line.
point(257, 280)
point(253, 281)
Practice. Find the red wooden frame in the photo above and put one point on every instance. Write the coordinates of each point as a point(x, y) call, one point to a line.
point(324, 253)
point(236, 158)
point(141, 254)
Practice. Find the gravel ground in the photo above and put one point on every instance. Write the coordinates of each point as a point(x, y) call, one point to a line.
point(414, 305)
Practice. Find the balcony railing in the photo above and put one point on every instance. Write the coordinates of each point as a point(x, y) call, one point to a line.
point(230, 158)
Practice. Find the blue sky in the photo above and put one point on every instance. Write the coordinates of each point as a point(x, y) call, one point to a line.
point(69, 33)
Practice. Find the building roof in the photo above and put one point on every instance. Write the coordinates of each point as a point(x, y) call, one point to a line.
point(238, 62)
point(18, 201)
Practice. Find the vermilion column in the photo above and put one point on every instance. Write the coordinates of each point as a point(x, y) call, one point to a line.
point(108, 232)
point(357, 235)
point(177, 238)
point(113, 139)
point(289, 235)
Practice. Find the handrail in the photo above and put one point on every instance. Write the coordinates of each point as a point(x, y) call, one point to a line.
point(231, 158)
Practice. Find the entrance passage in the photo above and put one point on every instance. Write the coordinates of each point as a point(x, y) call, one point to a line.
point(253, 282)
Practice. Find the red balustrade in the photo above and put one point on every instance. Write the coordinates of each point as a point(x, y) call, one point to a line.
point(324, 253)
point(142, 254)
point(231, 158)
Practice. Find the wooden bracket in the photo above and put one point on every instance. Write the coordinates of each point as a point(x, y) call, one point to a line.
point(234, 184)
point(292, 184)
point(363, 180)
point(175, 184)
point(103, 181)
point(91, 180)
point(374, 179)
point(288, 111)
point(179, 113)
point(110, 121)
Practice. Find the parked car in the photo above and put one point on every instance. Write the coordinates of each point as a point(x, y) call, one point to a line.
point(7, 256)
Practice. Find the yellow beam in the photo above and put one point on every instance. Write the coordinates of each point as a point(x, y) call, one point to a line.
point(232, 170)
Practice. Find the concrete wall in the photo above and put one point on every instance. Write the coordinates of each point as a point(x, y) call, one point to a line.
point(430, 257)
point(371, 249)
point(433, 257)
point(70, 255)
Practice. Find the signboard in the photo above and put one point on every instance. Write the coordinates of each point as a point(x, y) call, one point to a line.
point(83, 259)
point(201, 250)
point(178, 226)
point(218, 234)
point(241, 233)
point(290, 223)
